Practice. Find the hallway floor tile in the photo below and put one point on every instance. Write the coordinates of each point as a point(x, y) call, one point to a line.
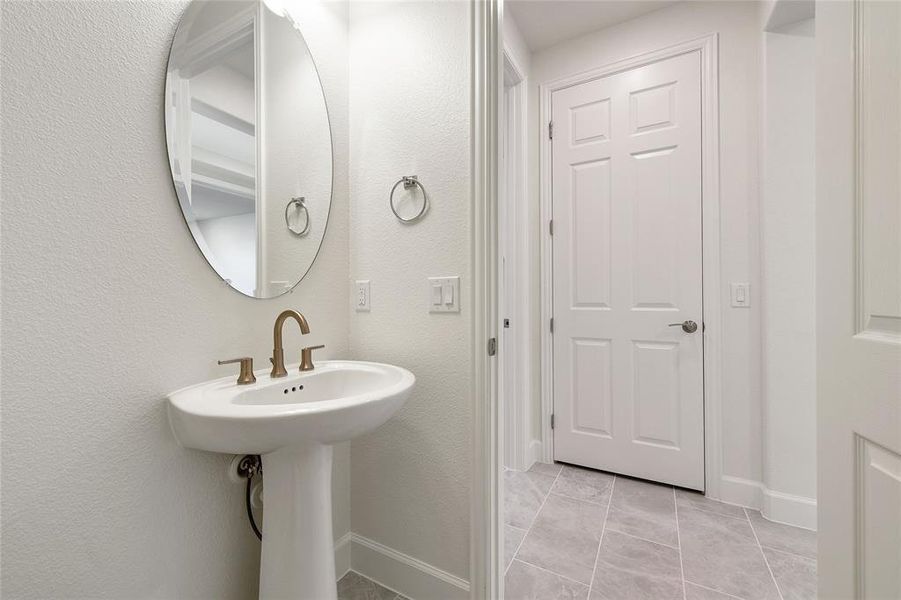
point(573, 532)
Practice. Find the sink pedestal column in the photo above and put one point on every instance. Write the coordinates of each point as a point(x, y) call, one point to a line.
point(298, 557)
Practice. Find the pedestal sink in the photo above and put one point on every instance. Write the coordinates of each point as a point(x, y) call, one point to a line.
point(292, 422)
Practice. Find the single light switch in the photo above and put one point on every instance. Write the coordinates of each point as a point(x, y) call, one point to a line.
point(741, 295)
point(448, 294)
point(444, 294)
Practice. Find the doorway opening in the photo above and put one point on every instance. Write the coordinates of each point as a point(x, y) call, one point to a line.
point(634, 442)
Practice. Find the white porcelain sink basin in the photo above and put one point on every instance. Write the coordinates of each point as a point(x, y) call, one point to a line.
point(336, 401)
point(292, 422)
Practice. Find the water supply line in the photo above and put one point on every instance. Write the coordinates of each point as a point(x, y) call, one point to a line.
point(249, 466)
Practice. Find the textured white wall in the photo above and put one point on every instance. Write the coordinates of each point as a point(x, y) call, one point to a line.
point(108, 305)
point(409, 107)
point(737, 23)
point(788, 233)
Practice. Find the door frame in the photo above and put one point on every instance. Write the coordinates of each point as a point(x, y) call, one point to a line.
point(486, 497)
point(710, 239)
point(514, 243)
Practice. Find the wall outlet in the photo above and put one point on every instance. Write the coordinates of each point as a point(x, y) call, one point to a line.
point(444, 294)
point(741, 295)
point(361, 295)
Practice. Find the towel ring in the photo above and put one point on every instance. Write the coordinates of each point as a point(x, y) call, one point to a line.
point(409, 181)
point(301, 203)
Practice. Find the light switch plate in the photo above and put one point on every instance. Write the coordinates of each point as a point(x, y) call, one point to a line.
point(361, 295)
point(444, 294)
point(741, 295)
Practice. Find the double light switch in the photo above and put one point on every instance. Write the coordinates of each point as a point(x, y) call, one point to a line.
point(444, 294)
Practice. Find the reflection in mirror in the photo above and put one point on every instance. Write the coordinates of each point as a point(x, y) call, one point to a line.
point(248, 134)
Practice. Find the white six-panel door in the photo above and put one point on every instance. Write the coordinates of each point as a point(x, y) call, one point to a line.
point(628, 387)
point(858, 111)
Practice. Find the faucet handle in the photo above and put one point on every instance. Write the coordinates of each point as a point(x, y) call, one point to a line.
point(306, 357)
point(246, 375)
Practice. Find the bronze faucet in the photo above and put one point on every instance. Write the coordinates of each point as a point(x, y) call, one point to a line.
point(246, 377)
point(278, 351)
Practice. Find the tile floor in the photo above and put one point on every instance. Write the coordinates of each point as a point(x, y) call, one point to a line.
point(574, 533)
point(354, 586)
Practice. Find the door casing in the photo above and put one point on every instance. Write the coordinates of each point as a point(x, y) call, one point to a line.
point(710, 209)
point(514, 243)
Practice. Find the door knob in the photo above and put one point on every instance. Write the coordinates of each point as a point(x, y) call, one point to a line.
point(687, 326)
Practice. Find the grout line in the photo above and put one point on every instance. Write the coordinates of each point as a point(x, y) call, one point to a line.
point(378, 583)
point(559, 495)
point(794, 554)
point(518, 546)
point(741, 517)
point(679, 541)
point(703, 496)
point(638, 537)
point(525, 562)
point(765, 561)
point(597, 552)
point(544, 501)
point(714, 590)
point(768, 547)
point(535, 518)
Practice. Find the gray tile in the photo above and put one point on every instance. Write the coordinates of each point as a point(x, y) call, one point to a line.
point(795, 575)
point(784, 537)
point(584, 484)
point(546, 468)
point(643, 509)
point(512, 539)
point(354, 586)
point(565, 537)
point(525, 582)
point(696, 500)
point(696, 592)
point(523, 494)
point(632, 569)
point(721, 553)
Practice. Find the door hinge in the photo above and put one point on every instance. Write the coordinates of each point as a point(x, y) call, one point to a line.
point(552, 324)
point(550, 130)
point(552, 420)
point(550, 227)
point(492, 346)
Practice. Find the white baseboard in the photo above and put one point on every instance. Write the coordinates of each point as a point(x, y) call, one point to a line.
point(789, 509)
point(775, 506)
point(743, 492)
point(342, 555)
point(404, 574)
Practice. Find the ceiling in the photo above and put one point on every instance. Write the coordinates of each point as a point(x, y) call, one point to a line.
point(544, 23)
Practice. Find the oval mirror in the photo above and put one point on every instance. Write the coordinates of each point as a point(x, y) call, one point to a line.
point(249, 142)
